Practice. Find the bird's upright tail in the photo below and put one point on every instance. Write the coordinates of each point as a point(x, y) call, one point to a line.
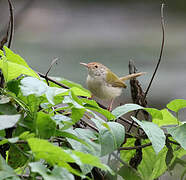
point(130, 76)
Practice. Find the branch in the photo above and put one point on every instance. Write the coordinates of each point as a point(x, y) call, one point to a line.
point(11, 23)
point(135, 147)
point(161, 52)
point(52, 80)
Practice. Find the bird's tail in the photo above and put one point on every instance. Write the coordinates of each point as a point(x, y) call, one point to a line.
point(130, 76)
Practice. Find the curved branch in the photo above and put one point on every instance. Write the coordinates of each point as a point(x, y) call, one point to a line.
point(161, 52)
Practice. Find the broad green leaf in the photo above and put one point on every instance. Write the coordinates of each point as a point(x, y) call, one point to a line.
point(87, 136)
point(71, 84)
point(42, 149)
point(179, 134)
point(121, 110)
point(54, 155)
point(69, 100)
point(155, 113)
point(12, 70)
point(168, 119)
point(80, 92)
point(13, 86)
point(15, 58)
point(6, 172)
point(30, 85)
point(112, 137)
point(69, 135)
point(77, 114)
point(7, 109)
point(126, 155)
point(176, 105)
point(52, 92)
point(45, 125)
point(4, 99)
point(64, 122)
point(104, 112)
point(154, 133)
point(10, 140)
point(7, 121)
point(152, 165)
point(1, 53)
point(129, 173)
point(57, 173)
point(17, 156)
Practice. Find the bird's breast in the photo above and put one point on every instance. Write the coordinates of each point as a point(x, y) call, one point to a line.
point(101, 89)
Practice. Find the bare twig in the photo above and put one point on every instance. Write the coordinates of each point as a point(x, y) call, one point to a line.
point(11, 23)
point(135, 147)
point(52, 63)
point(161, 51)
point(52, 80)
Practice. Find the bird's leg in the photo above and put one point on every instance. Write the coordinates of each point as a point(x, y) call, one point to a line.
point(110, 105)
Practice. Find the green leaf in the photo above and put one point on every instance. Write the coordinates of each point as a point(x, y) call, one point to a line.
point(52, 92)
point(4, 99)
point(64, 122)
point(7, 109)
point(178, 133)
point(80, 92)
point(45, 125)
point(112, 137)
point(13, 70)
point(17, 156)
point(126, 155)
point(77, 114)
point(154, 133)
point(177, 104)
point(57, 173)
point(70, 136)
point(30, 85)
point(1, 53)
point(7, 121)
point(129, 173)
point(15, 58)
point(121, 110)
point(42, 149)
point(90, 138)
point(168, 119)
point(152, 165)
point(85, 135)
point(6, 172)
point(13, 86)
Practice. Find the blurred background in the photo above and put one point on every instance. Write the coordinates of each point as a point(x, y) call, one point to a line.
point(110, 32)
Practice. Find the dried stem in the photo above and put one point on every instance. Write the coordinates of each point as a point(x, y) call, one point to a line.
point(11, 23)
point(161, 51)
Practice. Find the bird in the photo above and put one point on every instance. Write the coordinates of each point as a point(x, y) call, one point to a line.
point(103, 83)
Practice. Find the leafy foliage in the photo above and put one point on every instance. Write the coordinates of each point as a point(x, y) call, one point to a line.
point(59, 133)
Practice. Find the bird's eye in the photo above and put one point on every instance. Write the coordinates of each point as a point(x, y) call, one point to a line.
point(96, 66)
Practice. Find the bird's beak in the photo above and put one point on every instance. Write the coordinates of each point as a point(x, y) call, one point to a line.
point(84, 64)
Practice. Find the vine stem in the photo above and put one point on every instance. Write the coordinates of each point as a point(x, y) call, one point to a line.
point(161, 52)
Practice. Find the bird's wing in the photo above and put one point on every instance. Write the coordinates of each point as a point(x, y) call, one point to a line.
point(114, 80)
point(131, 76)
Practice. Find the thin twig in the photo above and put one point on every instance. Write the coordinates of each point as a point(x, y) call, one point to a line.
point(52, 63)
point(90, 125)
point(11, 23)
point(161, 52)
point(135, 147)
point(52, 80)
